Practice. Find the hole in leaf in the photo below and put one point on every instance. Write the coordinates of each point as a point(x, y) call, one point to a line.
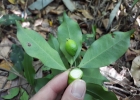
point(29, 44)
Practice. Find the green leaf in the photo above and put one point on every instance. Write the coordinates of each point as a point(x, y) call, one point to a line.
point(88, 97)
point(89, 39)
point(94, 31)
point(11, 76)
point(69, 29)
point(43, 81)
point(106, 50)
point(45, 68)
point(36, 46)
point(99, 93)
point(40, 83)
point(24, 95)
point(113, 14)
point(28, 69)
point(16, 56)
point(53, 42)
point(12, 93)
point(54, 72)
point(9, 19)
point(134, 2)
point(92, 75)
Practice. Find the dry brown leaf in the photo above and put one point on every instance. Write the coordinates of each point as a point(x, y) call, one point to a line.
point(130, 55)
point(135, 71)
point(49, 8)
point(136, 51)
point(5, 47)
point(2, 82)
point(111, 6)
point(76, 16)
point(99, 31)
point(43, 34)
point(138, 20)
point(59, 10)
point(25, 24)
point(112, 75)
point(133, 44)
point(15, 9)
point(39, 74)
point(5, 65)
point(137, 35)
point(105, 22)
point(45, 23)
point(38, 22)
point(86, 14)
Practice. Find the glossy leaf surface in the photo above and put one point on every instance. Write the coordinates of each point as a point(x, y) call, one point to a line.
point(69, 29)
point(36, 46)
point(106, 50)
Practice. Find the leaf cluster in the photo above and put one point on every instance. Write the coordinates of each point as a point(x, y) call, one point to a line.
point(52, 53)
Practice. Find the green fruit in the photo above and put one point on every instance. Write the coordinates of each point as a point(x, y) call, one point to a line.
point(74, 74)
point(71, 47)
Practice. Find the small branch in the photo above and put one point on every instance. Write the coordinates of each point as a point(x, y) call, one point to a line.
point(119, 89)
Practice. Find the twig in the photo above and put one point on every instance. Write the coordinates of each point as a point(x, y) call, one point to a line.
point(25, 7)
point(119, 94)
point(119, 89)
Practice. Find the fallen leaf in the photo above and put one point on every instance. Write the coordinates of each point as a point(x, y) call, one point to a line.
point(59, 10)
point(49, 8)
point(137, 35)
point(105, 22)
point(39, 74)
point(5, 65)
point(13, 1)
point(76, 16)
point(2, 82)
point(99, 31)
point(113, 14)
point(86, 14)
point(39, 4)
point(136, 51)
point(38, 22)
point(130, 55)
point(112, 75)
point(135, 71)
point(5, 47)
point(111, 6)
point(133, 44)
point(138, 20)
point(26, 24)
point(69, 4)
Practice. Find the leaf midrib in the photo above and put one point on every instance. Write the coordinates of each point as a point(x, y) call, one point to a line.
point(101, 53)
point(67, 28)
point(40, 47)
